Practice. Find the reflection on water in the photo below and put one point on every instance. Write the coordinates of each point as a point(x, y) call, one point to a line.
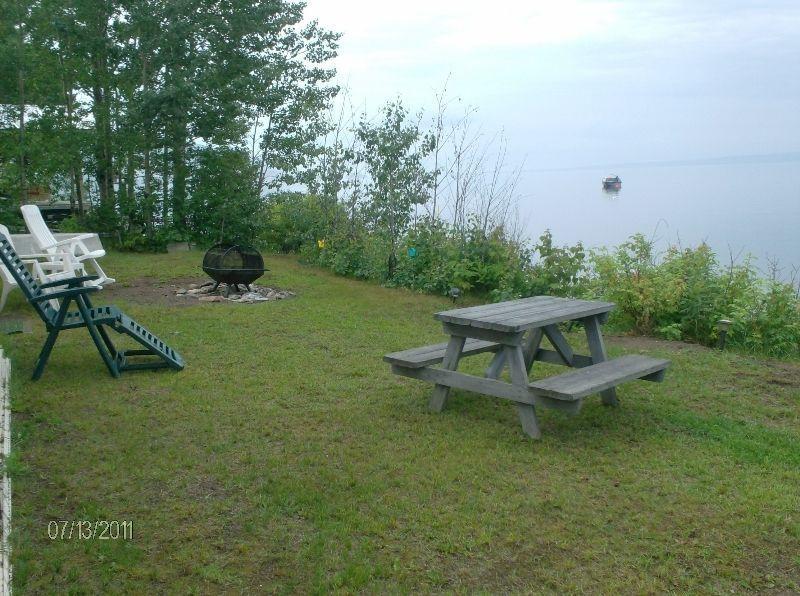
point(736, 208)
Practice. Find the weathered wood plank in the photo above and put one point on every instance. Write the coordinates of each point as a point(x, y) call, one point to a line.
point(434, 354)
point(501, 310)
point(549, 317)
point(570, 305)
point(531, 315)
point(581, 382)
point(501, 337)
point(553, 357)
point(495, 307)
point(559, 342)
point(451, 357)
point(460, 380)
point(495, 367)
point(597, 348)
point(495, 388)
point(519, 378)
point(531, 346)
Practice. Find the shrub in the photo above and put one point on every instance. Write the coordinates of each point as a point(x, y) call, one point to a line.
point(224, 205)
point(685, 295)
point(679, 295)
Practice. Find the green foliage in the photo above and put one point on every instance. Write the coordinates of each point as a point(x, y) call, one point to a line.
point(116, 97)
point(224, 206)
point(292, 221)
point(681, 295)
point(431, 268)
point(393, 152)
point(684, 295)
point(630, 277)
point(155, 242)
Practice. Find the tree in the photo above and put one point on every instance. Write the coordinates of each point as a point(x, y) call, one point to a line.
point(394, 151)
point(116, 101)
point(224, 204)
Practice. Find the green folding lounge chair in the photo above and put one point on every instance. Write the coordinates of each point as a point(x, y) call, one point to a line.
point(95, 319)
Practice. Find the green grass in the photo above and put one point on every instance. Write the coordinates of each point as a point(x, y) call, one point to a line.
point(286, 458)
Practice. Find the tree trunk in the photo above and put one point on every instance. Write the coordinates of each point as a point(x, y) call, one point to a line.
point(23, 178)
point(262, 168)
point(165, 186)
point(147, 192)
point(130, 186)
point(77, 178)
point(104, 172)
point(101, 110)
point(179, 176)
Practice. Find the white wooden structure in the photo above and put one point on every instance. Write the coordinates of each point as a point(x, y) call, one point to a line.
point(43, 266)
point(5, 483)
point(75, 246)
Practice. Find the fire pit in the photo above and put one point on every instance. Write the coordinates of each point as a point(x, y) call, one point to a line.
point(233, 264)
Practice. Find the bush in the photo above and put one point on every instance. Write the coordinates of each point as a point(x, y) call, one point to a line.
point(685, 295)
point(681, 295)
point(224, 205)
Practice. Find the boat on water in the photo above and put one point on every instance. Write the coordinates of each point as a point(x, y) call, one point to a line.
point(612, 183)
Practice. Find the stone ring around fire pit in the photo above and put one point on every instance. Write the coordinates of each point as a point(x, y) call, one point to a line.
point(233, 264)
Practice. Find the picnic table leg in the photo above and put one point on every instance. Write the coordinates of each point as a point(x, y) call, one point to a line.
point(529, 349)
point(532, 344)
point(519, 377)
point(451, 357)
point(496, 365)
point(597, 349)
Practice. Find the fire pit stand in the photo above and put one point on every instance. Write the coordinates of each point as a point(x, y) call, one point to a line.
point(233, 264)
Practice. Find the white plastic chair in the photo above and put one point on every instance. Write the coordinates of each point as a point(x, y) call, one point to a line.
point(45, 270)
point(74, 247)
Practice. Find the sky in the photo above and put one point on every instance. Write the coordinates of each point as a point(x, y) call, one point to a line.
point(577, 83)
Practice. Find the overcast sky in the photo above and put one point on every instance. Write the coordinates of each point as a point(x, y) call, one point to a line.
point(577, 82)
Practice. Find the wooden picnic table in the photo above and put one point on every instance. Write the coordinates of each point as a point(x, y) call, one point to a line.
point(514, 331)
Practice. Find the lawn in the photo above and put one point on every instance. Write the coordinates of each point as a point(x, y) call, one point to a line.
point(287, 458)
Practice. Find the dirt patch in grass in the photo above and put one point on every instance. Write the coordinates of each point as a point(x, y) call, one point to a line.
point(206, 487)
point(633, 342)
point(775, 372)
point(785, 374)
point(149, 290)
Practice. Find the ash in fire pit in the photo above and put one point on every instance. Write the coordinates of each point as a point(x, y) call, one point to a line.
point(232, 265)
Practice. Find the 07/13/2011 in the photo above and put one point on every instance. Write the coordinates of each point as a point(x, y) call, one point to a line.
point(100, 529)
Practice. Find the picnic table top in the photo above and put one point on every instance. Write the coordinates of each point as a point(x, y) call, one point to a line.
point(516, 316)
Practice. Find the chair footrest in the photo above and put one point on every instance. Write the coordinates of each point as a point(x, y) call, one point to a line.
point(577, 384)
point(427, 355)
point(153, 344)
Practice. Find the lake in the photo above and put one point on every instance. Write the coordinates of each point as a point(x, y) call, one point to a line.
point(735, 208)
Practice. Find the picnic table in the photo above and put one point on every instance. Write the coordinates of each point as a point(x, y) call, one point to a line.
point(514, 331)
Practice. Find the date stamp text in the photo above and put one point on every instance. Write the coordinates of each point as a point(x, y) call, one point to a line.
point(100, 529)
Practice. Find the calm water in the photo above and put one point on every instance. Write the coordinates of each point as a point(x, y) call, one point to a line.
point(742, 208)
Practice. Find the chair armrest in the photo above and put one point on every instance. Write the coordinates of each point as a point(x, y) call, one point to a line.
point(73, 239)
point(39, 256)
point(65, 293)
point(70, 281)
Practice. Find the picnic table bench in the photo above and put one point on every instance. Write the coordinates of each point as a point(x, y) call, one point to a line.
point(514, 331)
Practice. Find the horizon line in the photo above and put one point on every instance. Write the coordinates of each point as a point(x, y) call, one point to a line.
point(786, 156)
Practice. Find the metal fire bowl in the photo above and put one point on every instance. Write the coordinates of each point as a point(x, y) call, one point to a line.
point(234, 276)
